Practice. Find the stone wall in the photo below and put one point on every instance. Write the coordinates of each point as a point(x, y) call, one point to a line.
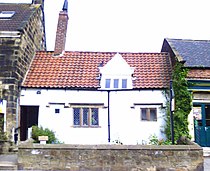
point(16, 54)
point(110, 157)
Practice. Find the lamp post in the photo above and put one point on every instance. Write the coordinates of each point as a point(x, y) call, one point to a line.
point(171, 111)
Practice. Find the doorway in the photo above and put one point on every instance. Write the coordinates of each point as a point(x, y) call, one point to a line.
point(201, 114)
point(28, 118)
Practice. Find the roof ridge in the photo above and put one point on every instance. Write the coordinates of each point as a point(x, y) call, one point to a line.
point(115, 52)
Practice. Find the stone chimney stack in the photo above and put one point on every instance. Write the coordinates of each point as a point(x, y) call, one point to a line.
point(60, 40)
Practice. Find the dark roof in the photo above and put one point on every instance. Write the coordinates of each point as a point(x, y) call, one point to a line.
point(80, 69)
point(18, 21)
point(196, 53)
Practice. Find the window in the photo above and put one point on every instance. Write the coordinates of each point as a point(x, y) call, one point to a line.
point(6, 14)
point(148, 114)
point(108, 82)
point(124, 83)
point(116, 83)
point(85, 116)
point(57, 111)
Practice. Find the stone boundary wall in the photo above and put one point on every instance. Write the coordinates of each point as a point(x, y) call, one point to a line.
point(110, 157)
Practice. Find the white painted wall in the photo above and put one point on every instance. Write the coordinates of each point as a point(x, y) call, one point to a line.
point(125, 123)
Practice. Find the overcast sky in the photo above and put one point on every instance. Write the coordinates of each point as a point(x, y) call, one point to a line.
point(127, 25)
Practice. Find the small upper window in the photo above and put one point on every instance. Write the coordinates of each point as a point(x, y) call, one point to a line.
point(124, 83)
point(116, 83)
point(108, 82)
point(7, 14)
point(57, 111)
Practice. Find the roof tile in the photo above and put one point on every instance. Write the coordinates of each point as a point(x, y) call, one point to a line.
point(80, 69)
point(19, 19)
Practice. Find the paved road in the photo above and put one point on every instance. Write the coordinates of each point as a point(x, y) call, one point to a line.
point(206, 163)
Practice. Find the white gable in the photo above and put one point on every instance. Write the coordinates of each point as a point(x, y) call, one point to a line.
point(117, 66)
point(116, 69)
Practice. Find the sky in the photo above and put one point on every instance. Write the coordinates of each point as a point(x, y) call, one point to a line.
point(126, 25)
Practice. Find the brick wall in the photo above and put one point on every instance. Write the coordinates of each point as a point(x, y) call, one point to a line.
point(110, 157)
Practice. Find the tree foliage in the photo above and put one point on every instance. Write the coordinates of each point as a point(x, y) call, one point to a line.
point(183, 103)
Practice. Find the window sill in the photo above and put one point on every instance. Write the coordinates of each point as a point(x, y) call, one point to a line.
point(86, 126)
point(148, 121)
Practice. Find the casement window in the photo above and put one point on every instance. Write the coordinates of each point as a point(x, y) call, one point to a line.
point(116, 83)
point(107, 83)
point(85, 116)
point(148, 114)
point(124, 83)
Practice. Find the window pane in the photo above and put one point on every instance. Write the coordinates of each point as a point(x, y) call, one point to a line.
point(124, 83)
point(76, 116)
point(144, 114)
point(153, 115)
point(57, 110)
point(85, 116)
point(108, 81)
point(94, 116)
point(116, 83)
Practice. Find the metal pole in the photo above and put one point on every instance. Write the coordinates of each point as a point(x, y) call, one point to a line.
point(109, 116)
point(171, 113)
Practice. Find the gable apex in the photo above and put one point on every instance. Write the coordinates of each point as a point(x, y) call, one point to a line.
point(117, 64)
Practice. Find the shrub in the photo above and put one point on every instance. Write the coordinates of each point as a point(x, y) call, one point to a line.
point(40, 131)
point(3, 136)
point(153, 140)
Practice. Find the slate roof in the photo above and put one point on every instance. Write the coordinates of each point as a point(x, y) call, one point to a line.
point(196, 53)
point(80, 69)
point(18, 21)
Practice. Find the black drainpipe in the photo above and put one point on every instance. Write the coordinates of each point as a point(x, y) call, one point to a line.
point(108, 116)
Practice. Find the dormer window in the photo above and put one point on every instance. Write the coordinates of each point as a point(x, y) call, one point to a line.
point(108, 83)
point(124, 83)
point(116, 74)
point(116, 83)
point(6, 14)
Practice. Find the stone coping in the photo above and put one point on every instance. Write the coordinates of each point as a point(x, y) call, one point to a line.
point(111, 147)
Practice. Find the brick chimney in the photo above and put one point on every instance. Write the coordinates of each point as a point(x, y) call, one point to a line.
point(60, 40)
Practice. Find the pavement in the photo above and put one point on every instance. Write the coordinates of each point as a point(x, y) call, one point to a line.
point(206, 155)
point(206, 163)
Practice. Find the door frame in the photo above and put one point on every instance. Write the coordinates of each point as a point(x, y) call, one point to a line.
point(203, 140)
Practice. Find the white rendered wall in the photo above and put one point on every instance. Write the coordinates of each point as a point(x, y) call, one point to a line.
point(125, 123)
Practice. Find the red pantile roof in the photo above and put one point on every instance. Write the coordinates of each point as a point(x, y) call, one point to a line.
point(199, 73)
point(80, 69)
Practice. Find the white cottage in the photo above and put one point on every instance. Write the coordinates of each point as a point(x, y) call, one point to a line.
point(95, 97)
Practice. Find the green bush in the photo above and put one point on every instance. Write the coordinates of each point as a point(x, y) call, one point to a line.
point(3, 136)
point(183, 104)
point(153, 140)
point(40, 131)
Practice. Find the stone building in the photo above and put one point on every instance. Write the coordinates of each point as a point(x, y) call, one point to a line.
point(22, 32)
point(195, 56)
